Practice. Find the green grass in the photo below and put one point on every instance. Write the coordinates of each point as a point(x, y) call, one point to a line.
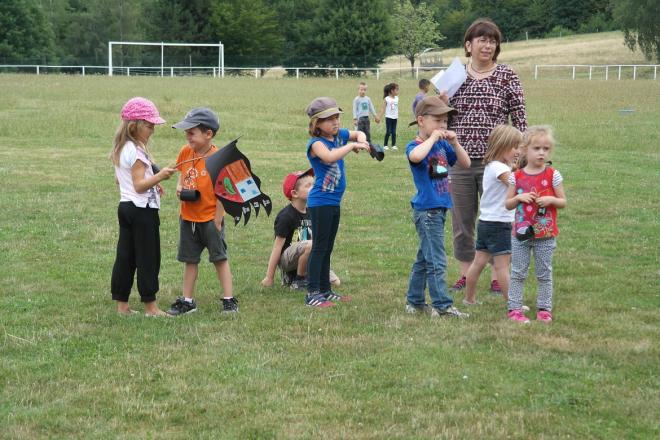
point(71, 368)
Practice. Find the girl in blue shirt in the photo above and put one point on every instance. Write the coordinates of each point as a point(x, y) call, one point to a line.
point(326, 150)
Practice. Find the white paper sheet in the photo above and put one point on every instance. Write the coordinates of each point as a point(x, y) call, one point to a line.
point(450, 79)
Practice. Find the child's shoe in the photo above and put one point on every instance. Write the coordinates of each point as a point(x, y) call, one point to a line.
point(544, 316)
point(317, 300)
point(449, 312)
point(385, 147)
point(229, 305)
point(181, 307)
point(331, 295)
point(459, 285)
point(518, 316)
point(414, 309)
point(495, 288)
point(394, 147)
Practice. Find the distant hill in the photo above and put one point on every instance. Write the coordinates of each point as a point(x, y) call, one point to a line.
point(599, 48)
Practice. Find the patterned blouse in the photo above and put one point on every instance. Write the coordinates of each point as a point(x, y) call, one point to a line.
point(484, 104)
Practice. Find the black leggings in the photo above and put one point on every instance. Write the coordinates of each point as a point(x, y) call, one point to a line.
point(390, 129)
point(325, 223)
point(138, 248)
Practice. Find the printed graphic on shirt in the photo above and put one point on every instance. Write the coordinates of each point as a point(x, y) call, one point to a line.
point(332, 178)
point(530, 214)
point(438, 167)
point(304, 231)
point(364, 106)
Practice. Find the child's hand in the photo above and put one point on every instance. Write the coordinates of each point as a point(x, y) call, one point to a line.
point(166, 172)
point(267, 282)
point(450, 136)
point(160, 189)
point(178, 191)
point(357, 146)
point(377, 119)
point(545, 201)
point(526, 197)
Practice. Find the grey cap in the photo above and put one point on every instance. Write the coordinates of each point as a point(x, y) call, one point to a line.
point(322, 108)
point(199, 116)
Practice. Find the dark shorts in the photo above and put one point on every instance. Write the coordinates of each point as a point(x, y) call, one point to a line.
point(194, 237)
point(493, 237)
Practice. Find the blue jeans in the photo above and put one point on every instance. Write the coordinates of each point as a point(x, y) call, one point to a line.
point(431, 260)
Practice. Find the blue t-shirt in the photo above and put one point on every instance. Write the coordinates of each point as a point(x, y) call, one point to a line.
point(329, 178)
point(431, 192)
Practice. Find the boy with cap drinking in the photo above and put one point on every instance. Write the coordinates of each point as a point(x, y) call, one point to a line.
point(201, 223)
point(293, 235)
point(430, 155)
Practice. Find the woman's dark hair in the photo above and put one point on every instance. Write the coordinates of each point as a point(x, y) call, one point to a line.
point(483, 27)
point(388, 88)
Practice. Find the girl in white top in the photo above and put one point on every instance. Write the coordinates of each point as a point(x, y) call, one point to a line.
point(391, 110)
point(138, 247)
point(494, 226)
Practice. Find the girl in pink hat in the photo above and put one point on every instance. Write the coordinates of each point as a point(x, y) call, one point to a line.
point(138, 247)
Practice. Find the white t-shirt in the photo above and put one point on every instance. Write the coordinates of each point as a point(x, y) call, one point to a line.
point(494, 195)
point(129, 155)
point(392, 107)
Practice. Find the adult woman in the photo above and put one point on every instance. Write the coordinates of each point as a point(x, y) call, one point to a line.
point(490, 96)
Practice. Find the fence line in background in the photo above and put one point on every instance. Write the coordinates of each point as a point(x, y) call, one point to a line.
point(214, 71)
point(591, 67)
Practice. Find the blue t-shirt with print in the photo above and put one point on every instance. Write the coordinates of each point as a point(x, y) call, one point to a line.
point(329, 178)
point(431, 192)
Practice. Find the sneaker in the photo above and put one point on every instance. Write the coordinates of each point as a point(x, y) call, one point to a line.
point(229, 305)
point(385, 147)
point(181, 307)
point(317, 300)
point(449, 312)
point(518, 316)
point(495, 288)
point(459, 285)
point(299, 284)
point(525, 308)
point(414, 309)
point(394, 147)
point(544, 316)
point(469, 304)
point(334, 296)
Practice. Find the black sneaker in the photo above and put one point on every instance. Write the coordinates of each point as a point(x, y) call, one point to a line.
point(181, 307)
point(299, 284)
point(229, 305)
point(317, 299)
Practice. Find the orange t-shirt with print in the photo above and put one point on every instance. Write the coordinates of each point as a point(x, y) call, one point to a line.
point(195, 176)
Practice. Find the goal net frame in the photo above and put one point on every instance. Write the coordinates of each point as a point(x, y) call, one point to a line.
point(219, 45)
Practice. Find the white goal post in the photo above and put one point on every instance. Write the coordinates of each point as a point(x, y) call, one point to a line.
point(219, 45)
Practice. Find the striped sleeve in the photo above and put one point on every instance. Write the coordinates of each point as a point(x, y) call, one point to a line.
point(557, 179)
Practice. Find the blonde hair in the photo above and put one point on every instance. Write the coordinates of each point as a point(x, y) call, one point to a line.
point(531, 133)
point(127, 131)
point(314, 130)
point(502, 139)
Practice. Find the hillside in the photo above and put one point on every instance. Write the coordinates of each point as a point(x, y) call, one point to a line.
point(599, 48)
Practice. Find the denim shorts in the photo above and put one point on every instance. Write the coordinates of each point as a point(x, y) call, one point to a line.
point(493, 237)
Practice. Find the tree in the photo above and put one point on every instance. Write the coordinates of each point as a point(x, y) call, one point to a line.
point(25, 34)
point(249, 30)
point(342, 35)
point(415, 29)
point(640, 22)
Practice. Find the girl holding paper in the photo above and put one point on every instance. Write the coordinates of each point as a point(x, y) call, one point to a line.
point(491, 95)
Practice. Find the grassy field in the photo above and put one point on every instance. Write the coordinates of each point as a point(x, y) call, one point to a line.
point(71, 368)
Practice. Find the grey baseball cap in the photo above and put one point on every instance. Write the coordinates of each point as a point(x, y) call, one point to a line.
point(323, 107)
point(199, 116)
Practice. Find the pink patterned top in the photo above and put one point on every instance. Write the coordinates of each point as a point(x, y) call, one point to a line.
point(483, 104)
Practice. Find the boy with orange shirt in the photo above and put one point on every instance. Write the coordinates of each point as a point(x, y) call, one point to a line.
point(201, 222)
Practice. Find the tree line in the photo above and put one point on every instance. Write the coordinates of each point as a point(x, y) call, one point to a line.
point(342, 33)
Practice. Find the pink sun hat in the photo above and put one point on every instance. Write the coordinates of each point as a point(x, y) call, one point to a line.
point(141, 108)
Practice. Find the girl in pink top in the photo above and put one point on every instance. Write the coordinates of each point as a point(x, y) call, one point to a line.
point(138, 247)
